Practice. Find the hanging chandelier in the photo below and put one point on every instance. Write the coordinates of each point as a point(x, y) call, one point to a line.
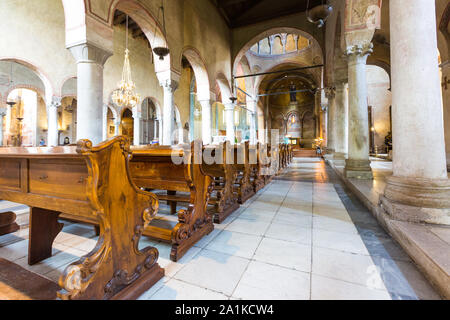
point(126, 95)
point(161, 52)
point(319, 14)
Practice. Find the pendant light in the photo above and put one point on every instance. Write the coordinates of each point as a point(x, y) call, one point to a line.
point(161, 52)
point(319, 14)
point(126, 95)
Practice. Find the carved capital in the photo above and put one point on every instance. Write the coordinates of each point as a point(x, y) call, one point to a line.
point(55, 103)
point(169, 85)
point(330, 93)
point(88, 53)
point(359, 53)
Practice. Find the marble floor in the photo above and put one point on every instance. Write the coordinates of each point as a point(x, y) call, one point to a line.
point(304, 236)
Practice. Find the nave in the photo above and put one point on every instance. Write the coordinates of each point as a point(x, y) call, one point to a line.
point(303, 236)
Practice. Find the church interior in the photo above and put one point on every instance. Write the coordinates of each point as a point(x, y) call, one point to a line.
point(225, 150)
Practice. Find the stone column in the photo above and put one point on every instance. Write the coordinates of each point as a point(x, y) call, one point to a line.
point(168, 112)
point(229, 119)
point(445, 67)
point(206, 121)
point(317, 110)
point(252, 106)
point(2, 114)
point(117, 127)
point(52, 120)
point(419, 190)
point(341, 141)
point(358, 163)
point(331, 131)
point(136, 126)
point(90, 61)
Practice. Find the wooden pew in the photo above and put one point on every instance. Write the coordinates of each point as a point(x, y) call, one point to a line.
point(89, 184)
point(244, 188)
point(258, 169)
point(152, 168)
point(225, 200)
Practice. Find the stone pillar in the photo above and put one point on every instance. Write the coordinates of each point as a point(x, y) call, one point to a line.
point(331, 131)
point(117, 127)
point(2, 114)
point(52, 120)
point(358, 163)
point(252, 107)
point(136, 126)
point(229, 119)
point(206, 121)
point(317, 110)
point(90, 61)
point(168, 111)
point(419, 190)
point(341, 141)
point(445, 67)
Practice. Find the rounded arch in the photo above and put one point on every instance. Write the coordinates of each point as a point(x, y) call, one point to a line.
point(289, 30)
point(201, 73)
point(68, 87)
point(224, 87)
point(149, 26)
point(47, 84)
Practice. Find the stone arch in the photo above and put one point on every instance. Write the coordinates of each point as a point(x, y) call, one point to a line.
point(279, 30)
point(200, 71)
point(48, 92)
point(159, 114)
point(68, 87)
point(224, 87)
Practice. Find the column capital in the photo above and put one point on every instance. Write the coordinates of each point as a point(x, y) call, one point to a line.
point(169, 84)
point(54, 103)
point(229, 106)
point(359, 53)
point(89, 53)
point(330, 92)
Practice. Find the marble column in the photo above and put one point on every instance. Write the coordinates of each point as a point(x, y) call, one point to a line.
point(90, 61)
point(52, 120)
point(358, 163)
point(317, 110)
point(252, 106)
point(341, 141)
point(445, 68)
point(419, 190)
point(331, 131)
point(117, 127)
point(206, 121)
point(168, 133)
point(136, 126)
point(229, 119)
point(2, 115)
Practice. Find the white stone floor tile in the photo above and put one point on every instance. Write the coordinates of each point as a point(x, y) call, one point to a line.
point(334, 224)
point(179, 290)
point(289, 232)
point(262, 281)
point(214, 270)
point(257, 228)
point(284, 253)
point(339, 241)
point(323, 288)
point(347, 267)
point(293, 218)
point(235, 244)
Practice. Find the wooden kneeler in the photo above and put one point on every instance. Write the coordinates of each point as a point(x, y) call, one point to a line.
point(225, 201)
point(154, 168)
point(87, 184)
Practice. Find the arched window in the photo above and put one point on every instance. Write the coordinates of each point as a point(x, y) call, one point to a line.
point(277, 45)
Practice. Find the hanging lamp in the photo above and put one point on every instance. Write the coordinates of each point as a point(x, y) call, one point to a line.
point(319, 14)
point(161, 52)
point(126, 95)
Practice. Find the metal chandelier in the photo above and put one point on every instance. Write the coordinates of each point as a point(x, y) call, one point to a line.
point(126, 95)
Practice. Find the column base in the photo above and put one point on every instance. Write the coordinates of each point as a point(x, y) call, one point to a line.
point(417, 200)
point(358, 169)
point(340, 156)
